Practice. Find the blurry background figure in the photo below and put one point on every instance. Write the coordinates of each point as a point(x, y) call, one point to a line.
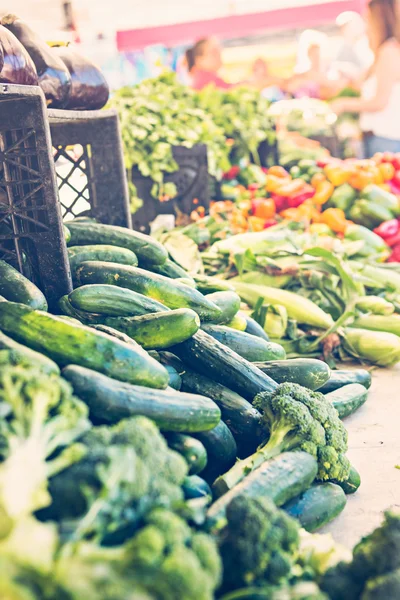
point(204, 60)
point(380, 92)
point(354, 56)
point(270, 86)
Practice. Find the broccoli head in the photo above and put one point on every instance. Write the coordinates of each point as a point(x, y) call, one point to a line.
point(375, 557)
point(135, 456)
point(168, 560)
point(258, 543)
point(295, 418)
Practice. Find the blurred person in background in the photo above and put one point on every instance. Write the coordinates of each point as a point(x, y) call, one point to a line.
point(204, 60)
point(379, 103)
point(269, 85)
point(354, 55)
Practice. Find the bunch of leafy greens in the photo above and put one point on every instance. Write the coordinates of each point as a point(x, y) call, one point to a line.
point(242, 113)
point(161, 113)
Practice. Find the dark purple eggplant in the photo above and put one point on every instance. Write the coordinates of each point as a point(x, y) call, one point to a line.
point(89, 89)
point(54, 77)
point(16, 66)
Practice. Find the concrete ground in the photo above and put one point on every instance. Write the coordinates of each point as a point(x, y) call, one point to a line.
point(374, 449)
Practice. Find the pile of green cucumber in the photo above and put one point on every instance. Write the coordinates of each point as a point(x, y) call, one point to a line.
point(138, 335)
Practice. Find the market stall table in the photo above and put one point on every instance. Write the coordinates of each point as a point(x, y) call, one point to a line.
point(374, 449)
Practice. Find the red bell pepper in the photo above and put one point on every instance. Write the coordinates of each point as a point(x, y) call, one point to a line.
point(322, 162)
point(232, 173)
point(388, 157)
point(395, 256)
point(388, 229)
point(281, 202)
point(295, 201)
point(396, 161)
point(270, 223)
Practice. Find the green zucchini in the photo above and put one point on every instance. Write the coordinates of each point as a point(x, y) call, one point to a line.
point(109, 401)
point(317, 506)
point(67, 234)
point(87, 318)
point(167, 291)
point(250, 347)
point(308, 372)
point(192, 450)
point(348, 398)
point(113, 301)
point(238, 414)
point(159, 330)
point(351, 485)
point(221, 450)
point(67, 343)
point(194, 486)
point(70, 319)
point(169, 269)
point(79, 254)
point(208, 285)
point(280, 479)
point(175, 380)
point(117, 334)
point(211, 358)
point(254, 328)
point(20, 353)
point(14, 287)
point(186, 281)
point(145, 247)
point(340, 378)
point(228, 302)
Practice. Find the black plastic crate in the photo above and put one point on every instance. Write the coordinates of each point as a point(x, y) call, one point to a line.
point(89, 163)
point(192, 184)
point(31, 231)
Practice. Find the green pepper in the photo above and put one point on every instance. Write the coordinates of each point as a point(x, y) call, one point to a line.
point(295, 172)
point(374, 213)
point(373, 244)
point(314, 170)
point(305, 164)
point(343, 197)
point(377, 195)
point(305, 176)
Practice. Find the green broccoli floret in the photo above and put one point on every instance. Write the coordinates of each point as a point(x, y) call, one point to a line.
point(149, 475)
point(300, 591)
point(258, 543)
point(295, 418)
point(375, 555)
point(385, 587)
point(169, 561)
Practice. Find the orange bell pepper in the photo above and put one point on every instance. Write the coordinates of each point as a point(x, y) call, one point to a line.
point(273, 183)
point(323, 192)
point(317, 179)
point(387, 171)
point(338, 173)
point(335, 219)
point(361, 178)
point(256, 224)
point(290, 188)
point(264, 208)
point(293, 214)
point(278, 171)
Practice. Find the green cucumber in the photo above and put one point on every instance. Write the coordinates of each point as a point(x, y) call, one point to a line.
point(280, 479)
point(117, 334)
point(20, 353)
point(145, 247)
point(14, 287)
point(238, 322)
point(169, 269)
point(228, 302)
point(113, 301)
point(221, 450)
point(238, 414)
point(194, 486)
point(348, 398)
point(211, 358)
point(254, 328)
point(317, 506)
point(67, 343)
point(159, 330)
point(250, 347)
point(79, 254)
point(167, 291)
point(351, 485)
point(208, 285)
point(308, 372)
point(192, 450)
point(109, 401)
point(340, 378)
point(87, 318)
point(186, 281)
point(70, 319)
point(175, 380)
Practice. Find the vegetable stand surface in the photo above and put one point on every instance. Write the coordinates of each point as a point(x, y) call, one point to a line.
point(374, 451)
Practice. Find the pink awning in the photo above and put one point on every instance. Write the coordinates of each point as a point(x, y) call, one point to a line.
point(298, 17)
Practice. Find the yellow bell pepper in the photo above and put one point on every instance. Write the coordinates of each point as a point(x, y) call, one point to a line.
point(338, 174)
point(320, 228)
point(335, 219)
point(256, 224)
point(387, 171)
point(273, 183)
point(323, 192)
